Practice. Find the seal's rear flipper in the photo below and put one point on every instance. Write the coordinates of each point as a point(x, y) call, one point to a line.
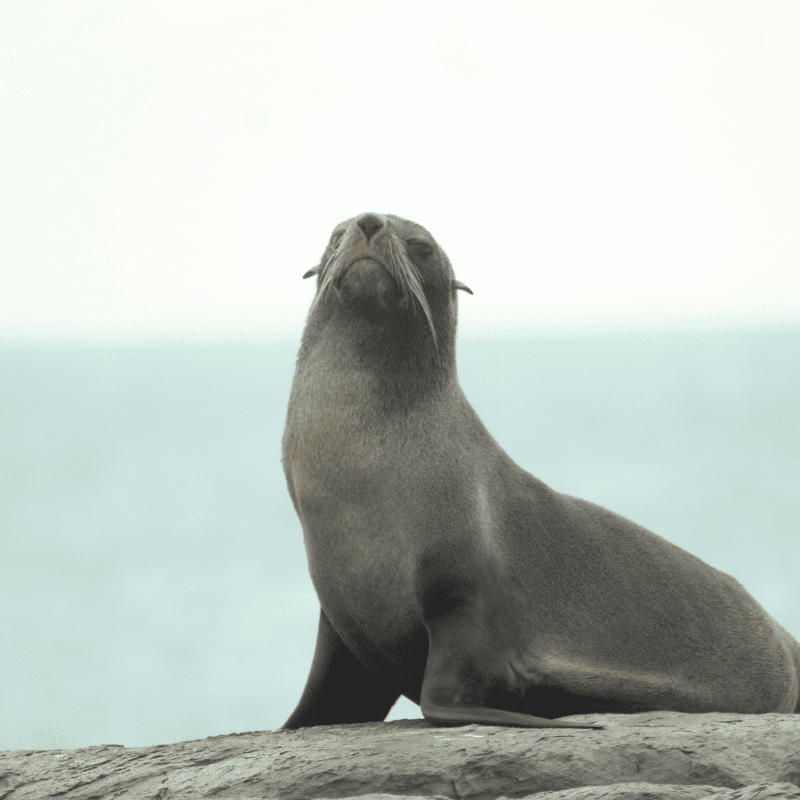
point(339, 689)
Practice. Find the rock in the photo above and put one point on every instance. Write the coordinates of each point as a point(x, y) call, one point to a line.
point(655, 755)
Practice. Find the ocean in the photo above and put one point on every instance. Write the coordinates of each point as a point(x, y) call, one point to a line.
point(153, 581)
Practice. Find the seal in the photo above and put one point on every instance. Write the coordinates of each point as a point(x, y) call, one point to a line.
point(447, 573)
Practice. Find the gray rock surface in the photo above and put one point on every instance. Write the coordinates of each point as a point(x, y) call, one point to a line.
point(655, 755)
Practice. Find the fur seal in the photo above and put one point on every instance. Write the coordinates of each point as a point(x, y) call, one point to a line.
point(450, 575)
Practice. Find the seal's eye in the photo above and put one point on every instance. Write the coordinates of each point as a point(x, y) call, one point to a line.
point(420, 250)
point(335, 239)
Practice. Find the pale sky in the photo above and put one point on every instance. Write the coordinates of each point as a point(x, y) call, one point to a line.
point(177, 165)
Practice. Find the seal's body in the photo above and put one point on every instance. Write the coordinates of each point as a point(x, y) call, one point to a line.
point(447, 573)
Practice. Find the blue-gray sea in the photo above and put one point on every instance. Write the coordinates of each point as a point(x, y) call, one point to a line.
point(153, 582)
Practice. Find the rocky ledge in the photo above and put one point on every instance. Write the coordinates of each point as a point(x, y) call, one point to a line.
point(655, 755)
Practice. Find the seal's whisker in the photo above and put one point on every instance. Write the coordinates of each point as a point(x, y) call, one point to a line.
point(407, 276)
point(332, 270)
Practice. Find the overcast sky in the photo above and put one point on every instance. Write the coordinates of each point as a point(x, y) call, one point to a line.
point(167, 165)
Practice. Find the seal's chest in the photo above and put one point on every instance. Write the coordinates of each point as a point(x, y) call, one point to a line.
point(369, 588)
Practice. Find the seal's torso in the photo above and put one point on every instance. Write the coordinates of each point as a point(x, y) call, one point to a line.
point(370, 499)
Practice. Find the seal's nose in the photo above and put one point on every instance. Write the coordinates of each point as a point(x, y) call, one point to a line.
point(369, 223)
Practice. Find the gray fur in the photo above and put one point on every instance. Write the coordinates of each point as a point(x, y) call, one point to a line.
point(457, 578)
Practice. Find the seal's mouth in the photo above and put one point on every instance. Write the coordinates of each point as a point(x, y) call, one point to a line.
point(366, 280)
point(338, 280)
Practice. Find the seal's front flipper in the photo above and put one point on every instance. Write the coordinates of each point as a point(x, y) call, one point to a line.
point(469, 677)
point(451, 716)
point(455, 691)
point(339, 689)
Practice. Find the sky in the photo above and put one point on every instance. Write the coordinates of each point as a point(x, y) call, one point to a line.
point(169, 169)
point(172, 168)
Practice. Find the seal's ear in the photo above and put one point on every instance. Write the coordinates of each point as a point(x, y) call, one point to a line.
point(315, 271)
point(463, 287)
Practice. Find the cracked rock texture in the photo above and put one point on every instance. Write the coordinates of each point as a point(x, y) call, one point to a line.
point(656, 755)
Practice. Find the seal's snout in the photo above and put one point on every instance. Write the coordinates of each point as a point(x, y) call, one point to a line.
point(363, 272)
point(370, 224)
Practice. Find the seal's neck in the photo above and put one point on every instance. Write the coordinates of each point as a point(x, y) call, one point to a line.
point(397, 359)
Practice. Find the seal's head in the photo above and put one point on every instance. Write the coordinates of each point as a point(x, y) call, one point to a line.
point(387, 274)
